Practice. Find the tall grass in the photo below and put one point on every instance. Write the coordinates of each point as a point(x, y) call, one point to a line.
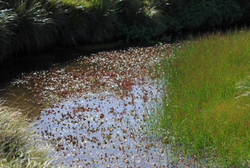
point(24, 26)
point(206, 105)
point(140, 20)
point(102, 20)
point(17, 145)
point(30, 26)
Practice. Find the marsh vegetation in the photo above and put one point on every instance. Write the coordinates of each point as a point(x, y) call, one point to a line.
point(206, 105)
point(204, 82)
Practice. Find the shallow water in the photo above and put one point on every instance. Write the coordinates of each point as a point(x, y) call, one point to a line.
point(94, 110)
point(101, 130)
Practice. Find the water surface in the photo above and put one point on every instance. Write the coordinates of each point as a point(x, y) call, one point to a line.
point(94, 110)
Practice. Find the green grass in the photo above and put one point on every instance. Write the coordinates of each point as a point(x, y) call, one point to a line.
point(206, 106)
point(17, 145)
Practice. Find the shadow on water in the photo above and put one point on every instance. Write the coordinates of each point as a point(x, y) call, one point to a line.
point(94, 110)
point(36, 61)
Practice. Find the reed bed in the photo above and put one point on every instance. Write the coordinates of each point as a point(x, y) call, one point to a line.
point(205, 109)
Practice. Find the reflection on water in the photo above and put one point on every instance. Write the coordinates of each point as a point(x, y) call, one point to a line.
point(20, 97)
point(93, 109)
point(98, 131)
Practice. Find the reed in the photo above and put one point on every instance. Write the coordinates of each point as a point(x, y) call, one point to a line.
point(206, 102)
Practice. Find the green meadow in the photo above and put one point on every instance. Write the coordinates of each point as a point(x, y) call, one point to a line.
point(205, 109)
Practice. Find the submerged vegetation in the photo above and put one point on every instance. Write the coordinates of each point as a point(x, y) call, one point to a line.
point(17, 143)
point(206, 106)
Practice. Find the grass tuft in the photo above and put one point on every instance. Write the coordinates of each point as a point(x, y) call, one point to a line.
point(17, 145)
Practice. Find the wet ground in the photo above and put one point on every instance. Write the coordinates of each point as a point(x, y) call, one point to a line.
point(94, 110)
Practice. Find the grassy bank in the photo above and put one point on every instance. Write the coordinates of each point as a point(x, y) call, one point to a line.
point(17, 146)
point(29, 27)
point(206, 107)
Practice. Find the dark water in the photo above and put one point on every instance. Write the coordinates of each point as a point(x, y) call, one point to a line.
point(94, 110)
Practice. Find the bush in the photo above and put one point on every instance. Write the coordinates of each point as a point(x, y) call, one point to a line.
point(102, 18)
point(26, 27)
point(139, 20)
point(205, 15)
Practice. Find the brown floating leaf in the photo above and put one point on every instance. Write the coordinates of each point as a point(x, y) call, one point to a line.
point(102, 116)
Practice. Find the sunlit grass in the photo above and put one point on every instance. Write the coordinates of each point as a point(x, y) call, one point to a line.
point(207, 102)
point(76, 2)
point(17, 145)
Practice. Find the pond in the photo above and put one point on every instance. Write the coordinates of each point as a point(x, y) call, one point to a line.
point(94, 110)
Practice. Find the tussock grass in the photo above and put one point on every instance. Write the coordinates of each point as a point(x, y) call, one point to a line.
point(17, 145)
point(206, 105)
point(30, 26)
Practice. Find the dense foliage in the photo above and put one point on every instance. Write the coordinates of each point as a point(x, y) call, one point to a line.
point(29, 26)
